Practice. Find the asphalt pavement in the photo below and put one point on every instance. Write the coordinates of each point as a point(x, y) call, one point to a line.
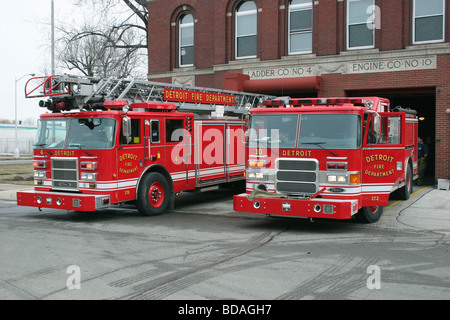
point(204, 250)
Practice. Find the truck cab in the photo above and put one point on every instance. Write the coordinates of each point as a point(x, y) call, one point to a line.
point(328, 158)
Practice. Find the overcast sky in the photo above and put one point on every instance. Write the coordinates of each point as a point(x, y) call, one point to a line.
point(25, 38)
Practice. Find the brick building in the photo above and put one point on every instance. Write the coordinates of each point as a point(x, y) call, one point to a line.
point(398, 49)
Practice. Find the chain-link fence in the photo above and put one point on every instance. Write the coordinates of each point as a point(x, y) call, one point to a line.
point(25, 140)
point(8, 145)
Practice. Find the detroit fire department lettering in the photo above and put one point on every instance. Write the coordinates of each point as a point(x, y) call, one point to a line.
point(64, 153)
point(379, 157)
point(128, 167)
point(296, 153)
point(379, 170)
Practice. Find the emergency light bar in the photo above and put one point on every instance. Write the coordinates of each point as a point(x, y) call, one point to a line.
point(154, 106)
point(318, 101)
point(157, 106)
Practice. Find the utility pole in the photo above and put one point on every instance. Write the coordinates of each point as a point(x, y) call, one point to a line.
point(16, 149)
point(53, 36)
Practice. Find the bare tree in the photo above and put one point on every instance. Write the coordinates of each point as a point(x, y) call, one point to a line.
point(134, 17)
point(92, 51)
point(113, 43)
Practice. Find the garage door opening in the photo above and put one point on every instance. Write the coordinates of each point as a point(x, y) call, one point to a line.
point(424, 102)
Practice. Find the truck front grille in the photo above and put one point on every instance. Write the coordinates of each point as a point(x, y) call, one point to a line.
point(297, 176)
point(65, 173)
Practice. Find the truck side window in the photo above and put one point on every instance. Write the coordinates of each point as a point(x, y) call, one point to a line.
point(135, 133)
point(384, 134)
point(394, 129)
point(373, 128)
point(389, 129)
point(154, 131)
point(174, 130)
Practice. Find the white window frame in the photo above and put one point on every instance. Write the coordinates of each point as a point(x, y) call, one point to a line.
point(240, 14)
point(180, 46)
point(425, 16)
point(294, 8)
point(348, 29)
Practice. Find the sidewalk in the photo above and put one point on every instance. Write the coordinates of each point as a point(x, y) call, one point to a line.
point(8, 191)
point(430, 212)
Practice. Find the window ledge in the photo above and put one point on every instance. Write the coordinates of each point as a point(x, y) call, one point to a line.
point(359, 51)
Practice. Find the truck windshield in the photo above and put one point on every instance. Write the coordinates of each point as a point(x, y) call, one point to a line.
point(81, 133)
point(317, 131)
point(273, 131)
point(330, 131)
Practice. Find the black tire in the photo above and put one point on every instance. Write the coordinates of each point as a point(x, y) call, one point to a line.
point(153, 194)
point(370, 214)
point(405, 192)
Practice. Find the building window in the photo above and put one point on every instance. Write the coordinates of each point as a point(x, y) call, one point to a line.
point(300, 26)
point(246, 30)
point(360, 27)
point(186, 42)
point(428, 21)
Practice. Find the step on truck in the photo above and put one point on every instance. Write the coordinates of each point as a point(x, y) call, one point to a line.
point(107, 142)
point(334, 158)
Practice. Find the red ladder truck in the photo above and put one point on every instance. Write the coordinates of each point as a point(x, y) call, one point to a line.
point(328, 158)
point(114, 141)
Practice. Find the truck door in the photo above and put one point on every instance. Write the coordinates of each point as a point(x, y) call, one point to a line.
point(154, 142)
point(177, 151)
point(210, 153)
point(235, 152)
point(383, 157)
point(130, 160)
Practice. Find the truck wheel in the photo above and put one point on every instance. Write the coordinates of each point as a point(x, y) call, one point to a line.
point(405, 191)
point(153, 194)
point(370, 214)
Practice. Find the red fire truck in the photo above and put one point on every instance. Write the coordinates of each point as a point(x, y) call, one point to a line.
point(114, 141)
point(328, 158)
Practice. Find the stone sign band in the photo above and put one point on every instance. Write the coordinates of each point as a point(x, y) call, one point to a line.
point(346, 67)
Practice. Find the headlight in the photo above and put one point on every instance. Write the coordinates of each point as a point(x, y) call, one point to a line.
point(337, 178)
point(88, 176)
point(257, 175)
point(40, 174)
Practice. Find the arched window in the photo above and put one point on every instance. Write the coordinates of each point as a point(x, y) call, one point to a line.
point(300, 26)
point(246, 30)
point(186, 40)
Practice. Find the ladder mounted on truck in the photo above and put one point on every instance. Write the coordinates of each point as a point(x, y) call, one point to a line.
point(66, 92)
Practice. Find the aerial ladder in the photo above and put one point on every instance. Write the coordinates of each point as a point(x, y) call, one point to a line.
point(68, 92)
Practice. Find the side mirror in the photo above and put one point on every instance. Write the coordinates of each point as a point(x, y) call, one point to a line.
point(245, 127)
point(126, 128)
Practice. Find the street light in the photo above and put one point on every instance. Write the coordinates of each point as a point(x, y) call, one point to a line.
point(53, 35)
point(16, 150)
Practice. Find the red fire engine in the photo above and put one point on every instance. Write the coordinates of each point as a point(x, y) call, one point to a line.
point(328, 158)
point(114, 141)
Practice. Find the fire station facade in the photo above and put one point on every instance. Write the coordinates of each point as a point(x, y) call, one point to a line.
point(398, 49)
